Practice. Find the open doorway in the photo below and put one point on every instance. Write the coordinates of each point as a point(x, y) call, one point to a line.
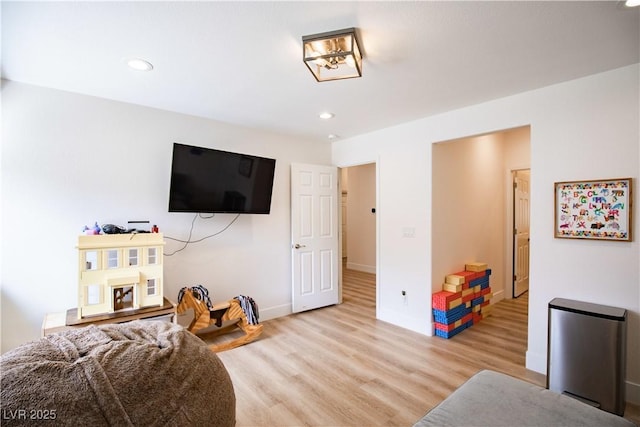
point(359, 217)
point(359, 236)
point(472, 218)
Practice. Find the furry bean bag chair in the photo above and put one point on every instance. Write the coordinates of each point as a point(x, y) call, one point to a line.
point(142, 373)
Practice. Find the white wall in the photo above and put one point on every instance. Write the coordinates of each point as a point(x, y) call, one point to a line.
point(361, 222)
point(582, 129)
point(69, 160)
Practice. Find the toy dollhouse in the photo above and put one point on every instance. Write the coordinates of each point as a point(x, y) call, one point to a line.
point(119, 272)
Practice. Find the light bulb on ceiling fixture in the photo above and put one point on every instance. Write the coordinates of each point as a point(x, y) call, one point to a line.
point(350, 61)
point(319, 47)
point(318, 61)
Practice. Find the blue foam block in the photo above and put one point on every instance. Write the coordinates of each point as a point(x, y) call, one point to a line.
point(453, 332)
point(477, 301)
point(450, 316)
point(479, 281)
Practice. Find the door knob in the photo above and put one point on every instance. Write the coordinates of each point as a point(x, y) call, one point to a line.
point(298, 246)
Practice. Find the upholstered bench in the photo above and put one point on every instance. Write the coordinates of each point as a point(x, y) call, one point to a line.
point(494, 399)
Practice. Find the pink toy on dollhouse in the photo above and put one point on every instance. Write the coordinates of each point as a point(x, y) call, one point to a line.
point(119, 272)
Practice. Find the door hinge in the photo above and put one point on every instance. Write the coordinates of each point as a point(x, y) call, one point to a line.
point(515, 278)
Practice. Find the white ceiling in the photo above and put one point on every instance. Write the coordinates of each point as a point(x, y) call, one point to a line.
point(241, 62)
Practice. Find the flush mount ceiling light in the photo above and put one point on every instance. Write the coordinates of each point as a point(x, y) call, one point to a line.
point(333, 55)
point(326, 115)
point(139, 64)
point(632, 3)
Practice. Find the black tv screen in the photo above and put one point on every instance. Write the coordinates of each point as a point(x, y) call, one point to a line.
point(205, 180)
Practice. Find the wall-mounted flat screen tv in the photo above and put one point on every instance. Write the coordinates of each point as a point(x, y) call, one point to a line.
point(205, 180)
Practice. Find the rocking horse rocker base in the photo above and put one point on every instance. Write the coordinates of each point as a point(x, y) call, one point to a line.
point(206, 315)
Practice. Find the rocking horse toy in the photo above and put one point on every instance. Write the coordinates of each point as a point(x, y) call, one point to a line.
point(241, 310)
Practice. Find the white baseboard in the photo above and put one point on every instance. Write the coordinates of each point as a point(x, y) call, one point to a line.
point(536, 362)
point(632, 393)
point(361, 267)
point(275, 312)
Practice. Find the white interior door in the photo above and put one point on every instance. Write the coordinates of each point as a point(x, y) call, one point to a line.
point(314, 236)
point(521, 232)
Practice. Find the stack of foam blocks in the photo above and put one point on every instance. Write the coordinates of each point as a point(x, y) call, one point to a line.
point(463, 301)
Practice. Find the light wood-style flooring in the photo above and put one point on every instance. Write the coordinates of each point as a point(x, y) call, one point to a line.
point(339, 366)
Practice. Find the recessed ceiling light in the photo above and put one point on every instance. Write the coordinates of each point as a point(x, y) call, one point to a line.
point(632, 3)
point(139, 64)
point(332, 136)
point(326, 115)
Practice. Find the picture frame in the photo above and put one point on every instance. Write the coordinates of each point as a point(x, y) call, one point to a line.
point(597, 209)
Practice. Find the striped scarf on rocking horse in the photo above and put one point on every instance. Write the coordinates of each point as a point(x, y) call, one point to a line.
point(199, 292)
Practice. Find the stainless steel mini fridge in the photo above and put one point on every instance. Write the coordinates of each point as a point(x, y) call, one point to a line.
point(586, 353)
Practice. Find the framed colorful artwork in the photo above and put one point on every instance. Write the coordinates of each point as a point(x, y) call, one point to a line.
point(594, 209)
